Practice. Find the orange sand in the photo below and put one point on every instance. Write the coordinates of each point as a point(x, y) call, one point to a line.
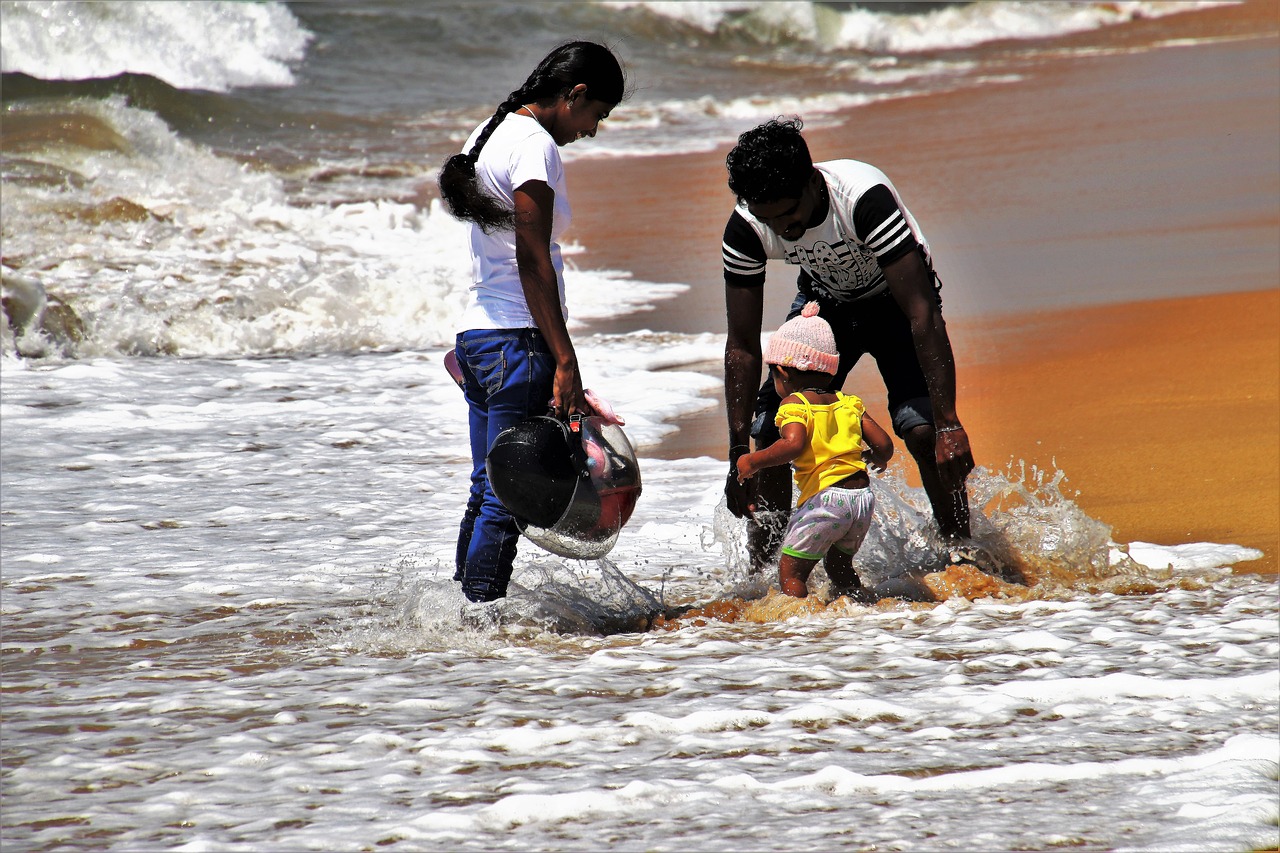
point(1165, 415)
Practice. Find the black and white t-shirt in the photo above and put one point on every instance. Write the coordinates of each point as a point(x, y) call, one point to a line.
point(867, 225)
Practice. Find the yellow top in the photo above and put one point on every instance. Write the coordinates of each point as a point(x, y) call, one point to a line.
point(834, 448)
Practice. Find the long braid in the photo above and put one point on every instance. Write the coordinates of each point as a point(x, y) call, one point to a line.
point(460, 188)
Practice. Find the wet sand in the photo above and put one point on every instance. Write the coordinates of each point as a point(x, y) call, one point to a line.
point(1164, 415)
point(1108, 232)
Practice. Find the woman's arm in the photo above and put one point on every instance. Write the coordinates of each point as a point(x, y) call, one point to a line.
point(534, 201)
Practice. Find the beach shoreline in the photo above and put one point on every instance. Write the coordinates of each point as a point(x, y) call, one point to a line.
point(1165, 443)
point(1136, 350)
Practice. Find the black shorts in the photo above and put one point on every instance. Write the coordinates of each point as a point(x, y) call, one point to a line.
point(873, 326)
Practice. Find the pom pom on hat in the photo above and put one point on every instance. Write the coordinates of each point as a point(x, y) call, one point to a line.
point(805, 343)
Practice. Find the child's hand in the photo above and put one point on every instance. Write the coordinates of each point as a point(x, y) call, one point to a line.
point(745, 469)
point(873, 461)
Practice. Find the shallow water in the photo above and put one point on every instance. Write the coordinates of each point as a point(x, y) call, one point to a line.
point(232, 468)
point(229, 626)
point(977, 727)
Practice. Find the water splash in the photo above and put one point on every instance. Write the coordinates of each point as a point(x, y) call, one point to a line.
point(1022, 521)
point(548, 598)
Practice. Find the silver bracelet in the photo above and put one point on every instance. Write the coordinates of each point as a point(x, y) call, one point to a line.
point(956, 428)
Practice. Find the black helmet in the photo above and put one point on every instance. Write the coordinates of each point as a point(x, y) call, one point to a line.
point(570, 486)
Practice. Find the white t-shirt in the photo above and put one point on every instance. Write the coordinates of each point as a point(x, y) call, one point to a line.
point(867, 225)
point(519, 150)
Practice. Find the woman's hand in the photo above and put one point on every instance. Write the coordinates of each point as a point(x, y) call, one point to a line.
point(567, 397)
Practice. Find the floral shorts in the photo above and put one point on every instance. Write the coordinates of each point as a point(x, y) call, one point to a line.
point(833, 518)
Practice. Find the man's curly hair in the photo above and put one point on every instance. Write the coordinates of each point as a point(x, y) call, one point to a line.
point(770, 162)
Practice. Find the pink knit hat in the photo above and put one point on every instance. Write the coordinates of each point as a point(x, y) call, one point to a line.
point(805, 343)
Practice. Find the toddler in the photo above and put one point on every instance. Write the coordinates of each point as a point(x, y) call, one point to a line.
point(823, 436)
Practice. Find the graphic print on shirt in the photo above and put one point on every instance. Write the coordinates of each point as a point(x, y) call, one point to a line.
point(837, 270)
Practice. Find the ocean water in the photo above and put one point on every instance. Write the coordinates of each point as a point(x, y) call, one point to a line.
point(229, 625)
point(231, 468)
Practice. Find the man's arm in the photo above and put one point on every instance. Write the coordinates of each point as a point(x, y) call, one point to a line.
point(911, 284)
point(742, 360)
point(744, 260)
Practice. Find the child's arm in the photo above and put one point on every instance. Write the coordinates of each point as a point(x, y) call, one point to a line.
point(783, 451)
point(879, 445)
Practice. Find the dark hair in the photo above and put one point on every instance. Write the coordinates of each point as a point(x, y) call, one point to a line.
point(770, 162)
point(574, 62)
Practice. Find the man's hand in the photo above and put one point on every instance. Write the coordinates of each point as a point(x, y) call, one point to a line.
point(953, 455)
point(740, 497)
point(739, 493)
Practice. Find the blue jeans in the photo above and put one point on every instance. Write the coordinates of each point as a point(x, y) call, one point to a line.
point(507, 376)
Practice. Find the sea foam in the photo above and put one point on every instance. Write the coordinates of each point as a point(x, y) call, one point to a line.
point(216, 46)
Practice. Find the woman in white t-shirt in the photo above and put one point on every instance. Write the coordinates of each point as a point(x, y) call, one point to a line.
point(513, 346)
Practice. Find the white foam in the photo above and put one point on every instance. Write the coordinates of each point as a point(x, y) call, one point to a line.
point(1192, 555)
point(215, 46)
point(227, 265)
point(704, 123)
point(1120, 685)
point(952, 27)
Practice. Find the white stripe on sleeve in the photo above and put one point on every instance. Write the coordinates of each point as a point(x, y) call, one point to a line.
point(736, 262)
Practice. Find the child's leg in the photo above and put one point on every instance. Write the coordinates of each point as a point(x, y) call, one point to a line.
point(839, 560)
point(793, 575)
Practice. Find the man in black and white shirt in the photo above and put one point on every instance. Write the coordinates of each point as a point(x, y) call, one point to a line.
point(864, 259)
